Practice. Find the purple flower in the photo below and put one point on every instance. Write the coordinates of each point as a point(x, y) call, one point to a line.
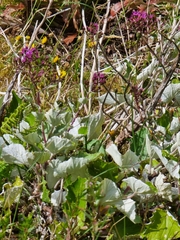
point(99, 77)
point(140, 20)
point(29, 54)
point(40, 73)
point(137, 16)
point(93, 28)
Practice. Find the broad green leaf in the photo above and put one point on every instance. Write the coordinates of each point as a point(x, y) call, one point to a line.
point(162, 226)
point(146, 72)
point(56, 118)
point(95, 122)
point(110, 193)
point(176, 145)
point(75, 127)
point(50, 178)
point(75, 166)
point(173, 168)
point(112, 98)
point(104, 170)
point(76, 203)
point(164, 120)
point(138, 143)
point(129, 160)
point(163, 189)
point(41, 157)
point(11, 193)
point(171, 92)
point(15, 153)
point(113, 151)
point(129, 209)
point(137, 186)
point(39, 116)
point(159, 154)
point(125, 227)
point(32, 138)
point(175, 125)
point(23, 126)
point(60, 145)
point(57, 197)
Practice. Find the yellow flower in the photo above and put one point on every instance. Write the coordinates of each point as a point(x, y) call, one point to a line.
point(28, 37)
point(17, 38)
point(55, 59)
point(44, 40)
point(63, 74)
point(60, 73)
point(33, 45)
point(91, 44)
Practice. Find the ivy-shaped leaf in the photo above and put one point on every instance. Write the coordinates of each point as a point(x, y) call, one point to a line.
point(162, 226)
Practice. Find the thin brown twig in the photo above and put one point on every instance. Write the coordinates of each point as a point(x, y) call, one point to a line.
point(40, 24)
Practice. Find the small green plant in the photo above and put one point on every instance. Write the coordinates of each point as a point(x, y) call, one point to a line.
point(89, 146)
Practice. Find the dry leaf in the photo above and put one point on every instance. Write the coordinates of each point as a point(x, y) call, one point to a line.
point(70, 38)
point(115, 9)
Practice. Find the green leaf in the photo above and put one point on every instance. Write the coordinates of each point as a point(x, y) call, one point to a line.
point(75, 206)
point(113, 151)
point(56, 118)
point(171, 93)
point(129, 160)
point(163, 188)
point(129, 209)
point(50, 178)
point(57, 197)
point(137, 186)
point(32, 138)
point(12, 192)
point(95, 146)
point(45, 192)
point(104, 170)
point(112, 98)
point(138, 143)
point(125, 227)
point(15, 153)
point(41, 157)
point(164, 120)
point(162, 226)
point(82, 130)
point(95, 123)
point(110, 193)
point(14, 102)
point(76, 166)
point(60, 145)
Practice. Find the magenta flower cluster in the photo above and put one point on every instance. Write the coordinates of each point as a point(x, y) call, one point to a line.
point(137, 16)
point(140, 20)
point(99, 78)
point(93, 28)
point(29, 55)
